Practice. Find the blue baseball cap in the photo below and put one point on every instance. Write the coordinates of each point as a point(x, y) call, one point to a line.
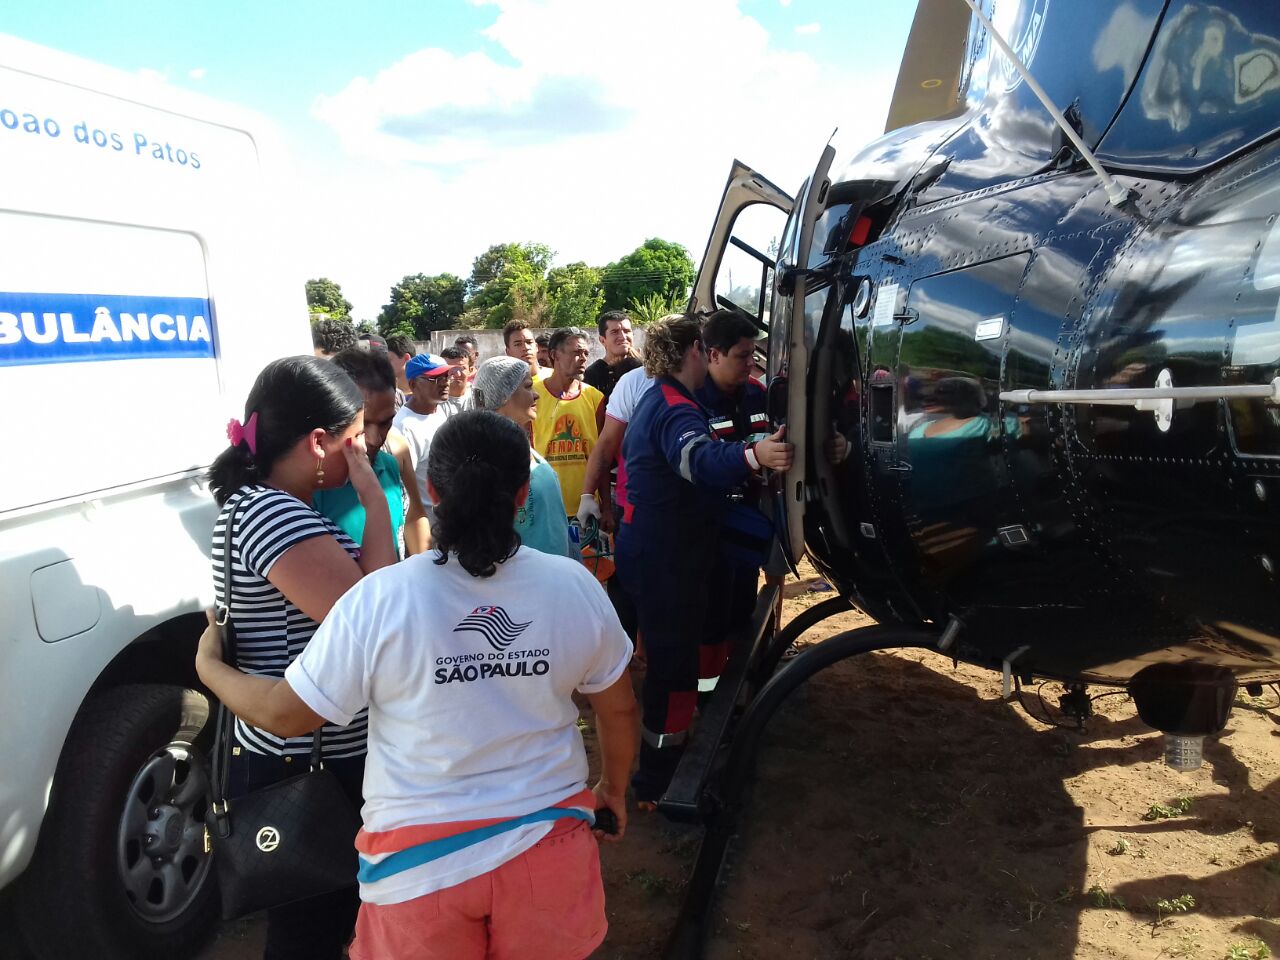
point(428, 364)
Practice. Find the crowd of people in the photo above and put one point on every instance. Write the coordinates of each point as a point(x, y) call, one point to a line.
point(405, 574)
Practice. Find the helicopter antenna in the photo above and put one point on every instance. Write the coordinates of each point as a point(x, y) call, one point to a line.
point(1116, 193)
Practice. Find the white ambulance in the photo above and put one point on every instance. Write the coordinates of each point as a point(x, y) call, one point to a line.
point(144, 281)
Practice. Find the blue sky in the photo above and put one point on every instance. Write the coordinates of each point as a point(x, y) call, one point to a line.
point(432, 130)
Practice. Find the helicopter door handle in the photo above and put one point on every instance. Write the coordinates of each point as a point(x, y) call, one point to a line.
point(899, 467)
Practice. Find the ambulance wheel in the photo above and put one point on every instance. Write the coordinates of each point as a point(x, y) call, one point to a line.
point(120, 869)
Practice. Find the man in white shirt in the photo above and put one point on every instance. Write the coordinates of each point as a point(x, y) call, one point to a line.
point(459, 397)
point(626, 394)
point(418, 420)
point(630, 387)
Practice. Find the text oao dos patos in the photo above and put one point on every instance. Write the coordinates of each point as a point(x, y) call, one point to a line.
point(466, 667)
point(142, 144)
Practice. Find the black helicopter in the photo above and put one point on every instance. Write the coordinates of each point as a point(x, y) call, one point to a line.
point(1044, 310)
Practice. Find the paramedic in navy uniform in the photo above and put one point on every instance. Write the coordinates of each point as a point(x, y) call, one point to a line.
point(677, 473)
point(736, 404)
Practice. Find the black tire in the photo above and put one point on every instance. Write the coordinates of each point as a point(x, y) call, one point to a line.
point(96, 887)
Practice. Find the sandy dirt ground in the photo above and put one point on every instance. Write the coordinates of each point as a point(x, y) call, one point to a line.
point(903, 810)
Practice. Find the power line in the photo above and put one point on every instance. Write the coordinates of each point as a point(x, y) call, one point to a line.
point(616, 275)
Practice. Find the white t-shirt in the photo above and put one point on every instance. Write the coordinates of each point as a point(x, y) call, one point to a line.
point(418, 429)
point(469, 684)
point(454, 405)
point(631, 386)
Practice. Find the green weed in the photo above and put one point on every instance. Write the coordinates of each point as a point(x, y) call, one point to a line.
point(653, 884)
point(1166, 908)
point(1248, 950)
point(1180, 904)
point(1161, 811)
point(1103, 899)
point(1188, 947)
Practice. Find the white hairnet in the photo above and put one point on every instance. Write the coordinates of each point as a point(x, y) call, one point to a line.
point(496, 380)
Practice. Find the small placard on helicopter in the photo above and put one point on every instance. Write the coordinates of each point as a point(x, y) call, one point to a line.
point(989, 329)
point(886, 305)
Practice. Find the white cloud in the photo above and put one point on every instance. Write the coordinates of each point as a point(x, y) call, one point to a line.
point(805, 29)
point(197, 73)
point(597, 125)
point(151, 75)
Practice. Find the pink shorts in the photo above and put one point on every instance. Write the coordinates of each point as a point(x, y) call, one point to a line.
point(546, 904)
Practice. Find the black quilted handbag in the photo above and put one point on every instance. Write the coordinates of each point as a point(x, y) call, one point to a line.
point(286, 842)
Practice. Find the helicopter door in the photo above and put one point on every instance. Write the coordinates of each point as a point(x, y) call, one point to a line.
point(950, 429)
point(791, 348)
point(737, 267)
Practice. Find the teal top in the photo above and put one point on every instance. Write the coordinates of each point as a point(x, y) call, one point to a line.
point(541, 522)
point(960, 465)
point(342, 506)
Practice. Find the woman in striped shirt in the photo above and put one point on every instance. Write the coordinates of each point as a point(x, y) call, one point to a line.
point(289, 564)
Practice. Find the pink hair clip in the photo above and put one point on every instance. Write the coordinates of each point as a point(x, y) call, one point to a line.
point(246, 432)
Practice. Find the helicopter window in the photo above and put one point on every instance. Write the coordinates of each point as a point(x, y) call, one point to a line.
point(837, 385)
point(1008, 135)
point(847, 346)
point(882, 413)
point(1184, 121)
point(745, 277)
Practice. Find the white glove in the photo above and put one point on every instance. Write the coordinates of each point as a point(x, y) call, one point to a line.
point(587, 507)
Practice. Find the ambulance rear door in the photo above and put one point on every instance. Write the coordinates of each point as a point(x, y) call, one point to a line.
point(143, 280)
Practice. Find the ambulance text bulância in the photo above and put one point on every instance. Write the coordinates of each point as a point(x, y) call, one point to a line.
point(52, 327)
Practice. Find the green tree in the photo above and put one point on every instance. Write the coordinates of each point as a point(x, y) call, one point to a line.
point(519, 288)
point(471, 319)
point(325, 296)
point(489, 265)
point(654, 307)
point(509, 280)
point(420, 304)
point(574, 297)
point(526, 300)
point(655, 267)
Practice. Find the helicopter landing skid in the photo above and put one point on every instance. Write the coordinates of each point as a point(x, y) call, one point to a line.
point(717, 800)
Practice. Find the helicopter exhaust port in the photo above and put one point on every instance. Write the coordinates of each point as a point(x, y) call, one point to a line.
point(1186, 702)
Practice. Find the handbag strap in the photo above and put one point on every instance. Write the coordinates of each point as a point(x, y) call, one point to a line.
point(224, 736)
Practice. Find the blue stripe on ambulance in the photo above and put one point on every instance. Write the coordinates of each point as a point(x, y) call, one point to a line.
point(38, 328)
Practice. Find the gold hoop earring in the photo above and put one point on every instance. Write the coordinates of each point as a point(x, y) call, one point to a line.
point(319, 473)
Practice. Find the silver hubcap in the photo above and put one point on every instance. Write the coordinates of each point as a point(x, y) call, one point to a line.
point(160, 848)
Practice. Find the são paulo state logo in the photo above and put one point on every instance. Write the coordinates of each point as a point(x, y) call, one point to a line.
point(494, 624)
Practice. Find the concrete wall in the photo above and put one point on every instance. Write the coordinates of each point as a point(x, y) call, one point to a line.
point(490, 342)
